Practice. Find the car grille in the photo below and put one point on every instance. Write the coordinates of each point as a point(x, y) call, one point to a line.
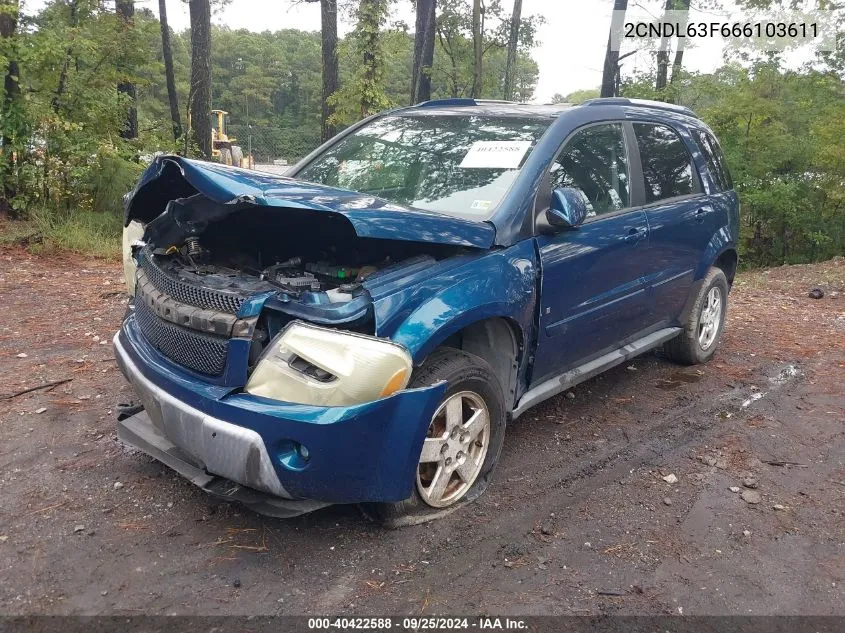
point(202, 353)
point(187, 293)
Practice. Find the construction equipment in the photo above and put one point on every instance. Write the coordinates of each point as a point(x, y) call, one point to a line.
point(223, 148)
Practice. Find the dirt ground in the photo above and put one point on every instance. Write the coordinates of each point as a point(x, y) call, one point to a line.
point(579, 519)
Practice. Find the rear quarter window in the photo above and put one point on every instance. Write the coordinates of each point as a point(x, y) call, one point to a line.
point(715, 160)
point(666, 163)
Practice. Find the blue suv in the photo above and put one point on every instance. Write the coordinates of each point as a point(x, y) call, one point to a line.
point(363, 330)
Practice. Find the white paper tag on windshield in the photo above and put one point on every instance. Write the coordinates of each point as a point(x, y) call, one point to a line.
point(495, 154)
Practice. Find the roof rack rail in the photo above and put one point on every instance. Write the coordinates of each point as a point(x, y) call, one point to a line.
point(645, 103)
point(437, 103)
point(460, 102)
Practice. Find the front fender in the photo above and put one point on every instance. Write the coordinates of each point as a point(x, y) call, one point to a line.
point(502, 284)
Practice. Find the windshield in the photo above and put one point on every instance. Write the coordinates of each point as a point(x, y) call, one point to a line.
point(456, 165)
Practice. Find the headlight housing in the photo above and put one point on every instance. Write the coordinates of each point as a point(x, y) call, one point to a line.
point(307, 364)
point(131, 234)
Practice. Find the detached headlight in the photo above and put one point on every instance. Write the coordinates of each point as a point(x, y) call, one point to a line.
point(131, 234)
point(306, 364)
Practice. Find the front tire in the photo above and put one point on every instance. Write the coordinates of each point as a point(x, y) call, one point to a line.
point(705, 322)
point(463, 441)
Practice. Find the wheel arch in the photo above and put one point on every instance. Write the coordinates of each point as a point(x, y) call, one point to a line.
point(728, 260)
point(499, 340)
point(721, 249)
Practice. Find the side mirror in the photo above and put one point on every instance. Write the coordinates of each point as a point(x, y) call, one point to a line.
point(568, 208)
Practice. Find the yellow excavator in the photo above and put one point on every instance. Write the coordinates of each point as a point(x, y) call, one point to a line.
point(223, 148)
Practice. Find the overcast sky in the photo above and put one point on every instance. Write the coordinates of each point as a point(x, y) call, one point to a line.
point(570, 54)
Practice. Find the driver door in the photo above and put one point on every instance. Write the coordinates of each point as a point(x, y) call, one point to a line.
point(593, 291)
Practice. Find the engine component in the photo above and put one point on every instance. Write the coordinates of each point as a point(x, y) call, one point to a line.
point(194, 247)
point(333, 272)
point(297, 279)
point(365, 272)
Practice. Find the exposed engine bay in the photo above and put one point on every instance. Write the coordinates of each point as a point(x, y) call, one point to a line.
point(200, 262)
point(193, 263)
point(248, 249)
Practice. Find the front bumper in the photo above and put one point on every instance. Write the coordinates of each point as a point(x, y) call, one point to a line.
point(215, 435)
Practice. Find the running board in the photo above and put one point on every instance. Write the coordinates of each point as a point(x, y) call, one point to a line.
point(568, 379)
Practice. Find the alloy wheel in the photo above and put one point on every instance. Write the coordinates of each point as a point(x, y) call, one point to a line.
point(454, 449)
point(711, 318)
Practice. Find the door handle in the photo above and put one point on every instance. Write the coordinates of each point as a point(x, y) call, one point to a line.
point(635, 234)
point(701, 214)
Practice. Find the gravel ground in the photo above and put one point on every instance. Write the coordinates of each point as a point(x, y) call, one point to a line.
point(656, 489)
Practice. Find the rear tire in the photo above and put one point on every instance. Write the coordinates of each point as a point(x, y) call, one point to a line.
point(705, 322)
point(237, 156)
point(452, 456)
point(226, 156)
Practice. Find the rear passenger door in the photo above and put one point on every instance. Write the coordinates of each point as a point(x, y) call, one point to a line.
point(681, 218)
point(592, 296)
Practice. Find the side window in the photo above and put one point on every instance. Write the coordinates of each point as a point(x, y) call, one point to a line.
point(715, 160)
point(595, 161)
point(667, 165)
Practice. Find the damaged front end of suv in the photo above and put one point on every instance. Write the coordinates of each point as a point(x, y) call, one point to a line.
point(274, 327)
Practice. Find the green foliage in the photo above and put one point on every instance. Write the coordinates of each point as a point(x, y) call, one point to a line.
point(452, 72)
point(85, 232)
point(51, 230)
point(578, 97)
point(364, 94)
point(782, 132)
point(63, 155)
point(68, 153)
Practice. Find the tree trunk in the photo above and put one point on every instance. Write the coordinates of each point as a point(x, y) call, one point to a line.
point(477, 49)
point(371, 17)
point(8, 25)
point(677, 64)
point(60, 89)
point(663, 52)
point(369, 58)
point(513, 44)
point(167, 53)
point(331, 80)
point(200, 94)
point(126, 12)
point(447, 48)
point(423, 51)
point(611, 57)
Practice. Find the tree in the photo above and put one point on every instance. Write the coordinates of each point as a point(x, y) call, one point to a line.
point(580, 96)
point(371, 17)
point(513, 44)
point(663, 53)
point(73, 22)
point(199, 96)
point(455, 63)
point(678, 62)
point(425, 27)
point(477, 46)
point(126, 12)
point(611, 57)
point(167, 54)
point(11, 102)
point(330, 68)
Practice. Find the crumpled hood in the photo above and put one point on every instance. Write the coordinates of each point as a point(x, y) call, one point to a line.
point(171, 177)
